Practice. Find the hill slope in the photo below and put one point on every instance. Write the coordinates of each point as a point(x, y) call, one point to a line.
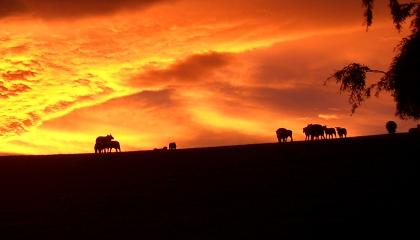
point(333, 188)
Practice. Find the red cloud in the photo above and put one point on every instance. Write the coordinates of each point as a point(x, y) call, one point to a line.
point(13, 90)
point(69, 9)
point(18, 75)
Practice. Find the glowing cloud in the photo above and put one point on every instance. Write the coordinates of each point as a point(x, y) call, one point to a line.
point(200, 73)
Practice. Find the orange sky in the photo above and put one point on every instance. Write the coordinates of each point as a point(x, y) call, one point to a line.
point(201, 73)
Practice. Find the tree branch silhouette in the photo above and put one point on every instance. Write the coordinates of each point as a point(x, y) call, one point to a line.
point(403, 77)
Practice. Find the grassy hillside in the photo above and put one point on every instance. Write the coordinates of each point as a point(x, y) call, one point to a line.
point(355, 187)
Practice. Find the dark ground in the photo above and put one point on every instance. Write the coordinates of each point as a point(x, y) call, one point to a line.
point(354, 188)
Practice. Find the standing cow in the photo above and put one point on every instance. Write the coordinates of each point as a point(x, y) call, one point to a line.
point(101, 143)
point(172, 146)
point(283, 134)
point(342, 132)
point(329, 132)
point(314, 131)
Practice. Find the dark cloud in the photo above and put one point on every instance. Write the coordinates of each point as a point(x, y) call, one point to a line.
point(69, 8)
point(18, 75)
point(192, 69)
point(11, 7)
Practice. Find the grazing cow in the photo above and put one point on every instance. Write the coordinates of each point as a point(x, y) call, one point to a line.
point(342, 132)
point(172, 146)
point(329, 132)
point(314, 131)
point(283, 134)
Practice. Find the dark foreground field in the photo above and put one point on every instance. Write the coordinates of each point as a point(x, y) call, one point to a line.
point(352, 188)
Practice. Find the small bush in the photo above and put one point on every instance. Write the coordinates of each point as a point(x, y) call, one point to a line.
point(391, 126)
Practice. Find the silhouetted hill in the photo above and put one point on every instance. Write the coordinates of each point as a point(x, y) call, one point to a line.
point(347, 188)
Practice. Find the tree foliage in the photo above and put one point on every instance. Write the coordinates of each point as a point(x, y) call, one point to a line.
point(402, 79)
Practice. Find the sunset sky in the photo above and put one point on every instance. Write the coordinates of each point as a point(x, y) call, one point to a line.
point(201, 73)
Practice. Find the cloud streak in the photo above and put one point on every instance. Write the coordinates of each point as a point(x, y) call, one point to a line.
point(190, 70)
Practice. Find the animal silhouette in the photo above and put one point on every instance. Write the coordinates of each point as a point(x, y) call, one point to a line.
point(172, 146)
point(342, 132)
point(106, 138)
point(307, 134)
point(329, 132)
point(113, 145)
point(103, 147)
point(414, 131)
point(98, 147)
point(102, 142)
point(283, 134)
point(314, 131)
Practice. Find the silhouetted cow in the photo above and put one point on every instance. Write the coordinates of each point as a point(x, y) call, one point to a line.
point(314, 131)
point(329, 132)
point(106, 138)
point(306, 132)
point(172, 146)
point(104, 146)
point(342, 132)
point(283, 134)
point(98, 147)
point(113, 145)
point(100, 143)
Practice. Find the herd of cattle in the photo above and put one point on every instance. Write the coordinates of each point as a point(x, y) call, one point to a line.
point(312, 132)
point(106, 143)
